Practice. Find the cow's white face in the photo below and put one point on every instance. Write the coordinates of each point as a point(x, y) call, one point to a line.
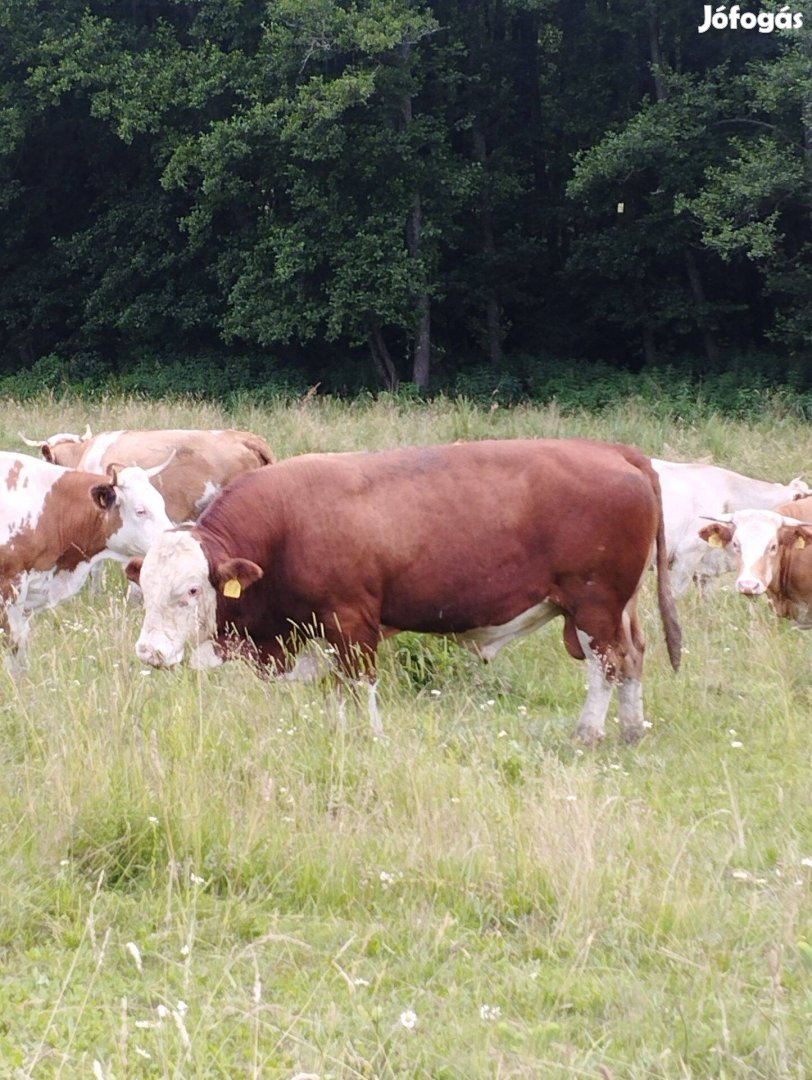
point(180, 603)
point(755, 537)
point(143, 514)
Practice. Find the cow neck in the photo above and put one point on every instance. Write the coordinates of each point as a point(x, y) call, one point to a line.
point(82, 528)
point(216, 547)
point(69, 454)
point(785, 557)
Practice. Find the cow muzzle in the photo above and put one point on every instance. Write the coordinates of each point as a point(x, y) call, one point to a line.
point(750, 586)
point(158, 654)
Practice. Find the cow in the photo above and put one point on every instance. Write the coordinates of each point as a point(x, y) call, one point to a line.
point(204, 461)
point(694, 492)
point(57, 523)
point(482, 541)
point(773, 554)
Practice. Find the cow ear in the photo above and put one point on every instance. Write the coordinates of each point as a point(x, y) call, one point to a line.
point(112, 472)
point(716, 534)
point(104, 496)
point(795, 536)
point(47, 453)
point(232, 576)
point(133, 570)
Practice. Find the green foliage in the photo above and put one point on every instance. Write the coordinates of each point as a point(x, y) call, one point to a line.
point(326, 181)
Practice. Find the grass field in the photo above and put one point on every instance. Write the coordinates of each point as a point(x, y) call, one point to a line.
point(208, 876)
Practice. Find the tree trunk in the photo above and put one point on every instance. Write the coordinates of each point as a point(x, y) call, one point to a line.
point(421, 364)
point(697, 288)
point(649, 348)
point(691, 265)
point(382, 359)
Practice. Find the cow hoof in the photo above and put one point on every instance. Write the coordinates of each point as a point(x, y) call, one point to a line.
point(632, 735)
point(589, 736)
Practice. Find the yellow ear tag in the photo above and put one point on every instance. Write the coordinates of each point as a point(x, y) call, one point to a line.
point(715, 540)
point(232, 589)
point(800, 542)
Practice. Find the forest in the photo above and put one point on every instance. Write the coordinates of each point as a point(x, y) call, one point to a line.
point(476, 196)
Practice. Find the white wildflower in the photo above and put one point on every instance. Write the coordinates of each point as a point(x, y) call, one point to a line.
point(135, 953)
point(736, 744)
point(489, 1012)
point(408, 1018)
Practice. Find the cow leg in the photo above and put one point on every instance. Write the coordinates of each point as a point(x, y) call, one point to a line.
point(592, 720)
point(15, 626)
point(356, 644)
point(96, 578)
point(630, 712)
point(630, 686)
point(681, 573)
point(135, 598)
point(372, 705)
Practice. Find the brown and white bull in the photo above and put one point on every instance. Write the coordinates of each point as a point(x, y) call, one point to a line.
point(203, 463)
point(57, 523)
point(693, 492)
point(484, 542)
point(773, 553)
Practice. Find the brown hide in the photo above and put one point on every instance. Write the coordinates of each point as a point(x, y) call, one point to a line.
point(790, 591)
point(71, 528)
point(443, 539)
point(201, 458)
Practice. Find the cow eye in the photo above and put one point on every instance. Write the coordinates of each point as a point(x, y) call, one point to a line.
point(193, 591)
point(140, 511)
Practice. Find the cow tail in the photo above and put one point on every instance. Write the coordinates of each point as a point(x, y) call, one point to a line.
point(665, 597)
point(259, 447)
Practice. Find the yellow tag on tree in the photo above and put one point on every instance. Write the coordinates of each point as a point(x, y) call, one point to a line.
point(232, 589)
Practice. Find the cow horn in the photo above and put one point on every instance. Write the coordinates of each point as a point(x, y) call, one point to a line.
point(32, 442)
point(160, 468)
point(88, 433)
point(112, 472)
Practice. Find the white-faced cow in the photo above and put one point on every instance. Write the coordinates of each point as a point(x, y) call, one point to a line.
point(203, 463)
point(692, 493)
point(481, 541)
point(56, 523)
point(773, 555)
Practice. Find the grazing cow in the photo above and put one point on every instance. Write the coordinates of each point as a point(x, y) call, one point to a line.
point(773, 553)
point(694, 492)
point(56, 523)
point(204, 461)
point(481, 541)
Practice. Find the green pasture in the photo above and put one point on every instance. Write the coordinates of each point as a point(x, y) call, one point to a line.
point(206, 875)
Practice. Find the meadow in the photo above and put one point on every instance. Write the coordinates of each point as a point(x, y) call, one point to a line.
point(205, 875)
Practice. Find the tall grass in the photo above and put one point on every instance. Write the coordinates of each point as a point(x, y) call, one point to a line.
point(210, 876)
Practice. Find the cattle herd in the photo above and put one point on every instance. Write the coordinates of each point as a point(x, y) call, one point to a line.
point(484, 542)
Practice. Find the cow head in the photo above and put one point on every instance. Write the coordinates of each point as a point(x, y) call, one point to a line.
point(758, 539)
point(62, 449)
point(180, 598)
point(141, 516)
